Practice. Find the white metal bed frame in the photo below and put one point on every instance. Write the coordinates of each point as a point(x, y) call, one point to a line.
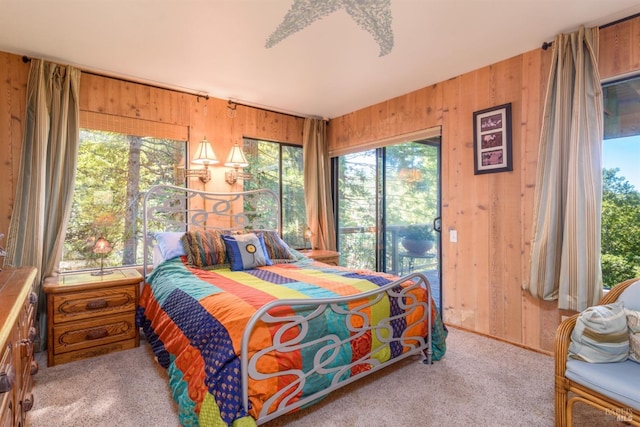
point(170, 208)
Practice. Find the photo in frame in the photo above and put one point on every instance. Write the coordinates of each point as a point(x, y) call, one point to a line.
point(492, 140)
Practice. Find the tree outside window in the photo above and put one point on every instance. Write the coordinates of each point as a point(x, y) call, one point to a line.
point(113, 172)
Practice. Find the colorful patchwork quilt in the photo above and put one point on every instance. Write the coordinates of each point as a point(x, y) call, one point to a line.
point(194, 320)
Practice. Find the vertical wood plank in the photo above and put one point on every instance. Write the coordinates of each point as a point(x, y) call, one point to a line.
point(13, 92)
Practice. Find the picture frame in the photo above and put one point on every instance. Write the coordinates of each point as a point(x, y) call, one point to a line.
point(492, 140)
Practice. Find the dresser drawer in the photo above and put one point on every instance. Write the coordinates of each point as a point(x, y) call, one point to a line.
point(7, 387)
point(90, 333)
point(27, 320)
point(86, 305)
point(7, 409)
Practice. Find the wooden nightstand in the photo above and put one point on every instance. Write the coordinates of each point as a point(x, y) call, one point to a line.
point(91, 315)
point(328, 257)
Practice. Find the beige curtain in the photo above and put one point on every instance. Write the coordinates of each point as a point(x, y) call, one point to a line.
point(565, 252)
point(317, 185)
point(47, 171)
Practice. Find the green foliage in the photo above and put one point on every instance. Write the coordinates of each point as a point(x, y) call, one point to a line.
point(105, 203)
point(620, 229)
point(616, 269)
point(264, 159)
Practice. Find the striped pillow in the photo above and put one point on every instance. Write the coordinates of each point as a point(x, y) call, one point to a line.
point(633, 321)
point(277, 250)
point(204, 248)
point(601, 335)
point(634, 347)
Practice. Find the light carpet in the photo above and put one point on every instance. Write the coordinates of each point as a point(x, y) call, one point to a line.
point(479, 382)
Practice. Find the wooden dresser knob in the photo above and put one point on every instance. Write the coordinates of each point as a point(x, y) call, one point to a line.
point(33, 332)
point(26, 348)
point(7, 379)
point(33, 298)
point(34, 368)
point(27, 403)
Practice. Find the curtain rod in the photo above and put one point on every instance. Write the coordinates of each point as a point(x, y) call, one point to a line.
point(197, 94)
point(547, 45)
point(26, 59)
point(270, 110)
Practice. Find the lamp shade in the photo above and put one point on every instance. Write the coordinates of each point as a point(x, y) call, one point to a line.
point(101, 246)
point(236, 158)
point(308, 233)
point(205, 154)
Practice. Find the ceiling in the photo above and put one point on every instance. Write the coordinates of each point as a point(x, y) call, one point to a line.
point(329, 57)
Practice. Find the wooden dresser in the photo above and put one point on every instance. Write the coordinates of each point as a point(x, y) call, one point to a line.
point(18, 305)
point(91, 315)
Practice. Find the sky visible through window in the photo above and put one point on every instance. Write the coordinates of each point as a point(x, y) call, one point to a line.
point(624, 154)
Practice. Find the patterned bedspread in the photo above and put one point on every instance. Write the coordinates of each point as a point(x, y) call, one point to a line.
point(194, 320)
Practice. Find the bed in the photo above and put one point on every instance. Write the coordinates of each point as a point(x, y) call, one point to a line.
point(248, 328)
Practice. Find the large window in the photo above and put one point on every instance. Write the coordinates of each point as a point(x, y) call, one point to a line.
point(279, 167)
point(113, 170)
point(621, 182)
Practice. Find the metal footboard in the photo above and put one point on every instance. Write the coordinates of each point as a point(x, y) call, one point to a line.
point(297, 320)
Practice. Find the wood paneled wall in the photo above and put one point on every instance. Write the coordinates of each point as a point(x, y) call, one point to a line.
point(485, 271)
point(13, 97)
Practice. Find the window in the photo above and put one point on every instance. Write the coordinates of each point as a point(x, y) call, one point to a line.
point(113, 170)
point(621, 181)
point(279, 167)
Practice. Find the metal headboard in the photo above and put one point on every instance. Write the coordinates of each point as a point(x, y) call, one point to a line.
point(172, 208)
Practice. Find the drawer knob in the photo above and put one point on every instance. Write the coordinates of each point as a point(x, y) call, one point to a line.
point(7, 378)
point(33, 298)
point(27, 403)
point(95, 334)
point(34, 368)
point(97, 304)
point(33, 332)
point(26, 348)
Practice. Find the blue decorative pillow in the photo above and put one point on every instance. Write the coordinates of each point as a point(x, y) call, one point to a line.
point(170, 244)
point(276, 248)
point(246, 251)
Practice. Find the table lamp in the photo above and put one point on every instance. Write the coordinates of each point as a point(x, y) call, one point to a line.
point(101, 247)
point(307, 236)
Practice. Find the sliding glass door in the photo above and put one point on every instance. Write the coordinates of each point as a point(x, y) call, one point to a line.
point(389, 209)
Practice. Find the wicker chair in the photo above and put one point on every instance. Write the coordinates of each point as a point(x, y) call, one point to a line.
point(581, 391)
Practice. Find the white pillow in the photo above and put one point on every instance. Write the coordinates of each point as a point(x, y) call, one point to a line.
point(169, 244)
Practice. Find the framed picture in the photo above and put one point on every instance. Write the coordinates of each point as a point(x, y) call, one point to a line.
point(492, 140)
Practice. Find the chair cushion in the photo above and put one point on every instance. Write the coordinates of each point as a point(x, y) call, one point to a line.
point(619, 381)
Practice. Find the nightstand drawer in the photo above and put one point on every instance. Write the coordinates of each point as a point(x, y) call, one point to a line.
point(91, 333)
point(86, 305)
